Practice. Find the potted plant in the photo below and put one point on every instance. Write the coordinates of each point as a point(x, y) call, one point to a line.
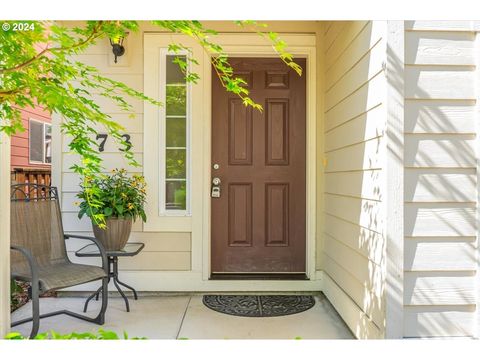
point(115, 201)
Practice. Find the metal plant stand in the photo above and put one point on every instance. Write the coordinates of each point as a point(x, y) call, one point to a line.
point(130, 249)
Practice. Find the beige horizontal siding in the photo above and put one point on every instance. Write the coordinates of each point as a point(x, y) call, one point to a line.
point(364, 241)
point(333, 29)
point(360, 323)
point(440, 254)
point(432, 321)
point(162, 251)
point(364, 127)
point(345, 38)
point(367, 97)
point(366, 213)
point(154, 242)
point(362, 72)
point(429, 219)
point(440, 185)
point(110, 161)
point(366, 155)
point(439, 116)
point(361, 184)
point(440, 248)
point(369, 36)
point(145, 261)
point(437, 151)
point(440, 48)
point(437, 82)
point(439, 288)
point(359, 292)
point(354, 185)
point(364, 270)
point(446, 26)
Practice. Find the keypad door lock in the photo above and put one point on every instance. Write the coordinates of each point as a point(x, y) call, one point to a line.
point(215, 191)
point(215, 187)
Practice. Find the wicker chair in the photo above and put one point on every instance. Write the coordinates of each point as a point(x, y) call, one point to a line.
point(38, 252)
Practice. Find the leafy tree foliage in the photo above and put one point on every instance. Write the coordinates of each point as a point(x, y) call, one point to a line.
point(38, 67)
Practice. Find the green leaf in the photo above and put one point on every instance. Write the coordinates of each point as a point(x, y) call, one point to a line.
point(108, 335)
point(108, 211)
point(14, 336)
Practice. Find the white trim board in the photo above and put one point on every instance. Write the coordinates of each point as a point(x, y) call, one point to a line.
point(394, 165)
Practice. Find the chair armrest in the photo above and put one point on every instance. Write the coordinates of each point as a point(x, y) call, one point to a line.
point(100, 246)
point(32, 263)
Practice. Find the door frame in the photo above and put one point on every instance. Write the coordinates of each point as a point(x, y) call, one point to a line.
point(252, 45)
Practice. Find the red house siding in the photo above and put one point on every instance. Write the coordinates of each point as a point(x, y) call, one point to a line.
point(20, 143)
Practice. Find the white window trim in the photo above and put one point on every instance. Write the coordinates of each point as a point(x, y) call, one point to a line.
point(157, 221)
point(44, 124)
point(162, 138)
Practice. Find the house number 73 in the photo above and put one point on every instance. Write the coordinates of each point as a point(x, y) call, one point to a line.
point(103, 140)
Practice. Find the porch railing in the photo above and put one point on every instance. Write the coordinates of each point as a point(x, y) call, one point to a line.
point(30, 176)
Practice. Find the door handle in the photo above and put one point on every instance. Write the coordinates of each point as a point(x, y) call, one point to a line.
point(216, 187)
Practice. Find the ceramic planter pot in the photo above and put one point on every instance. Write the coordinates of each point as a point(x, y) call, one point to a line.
point(115, 236)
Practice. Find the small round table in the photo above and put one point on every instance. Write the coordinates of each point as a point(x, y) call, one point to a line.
point(130, 249)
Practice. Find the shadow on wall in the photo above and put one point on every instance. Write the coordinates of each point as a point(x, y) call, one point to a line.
point(354, 246)
point(440, 184)
point(440, 188)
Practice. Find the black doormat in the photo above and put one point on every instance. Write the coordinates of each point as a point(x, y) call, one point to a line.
point(259, 305)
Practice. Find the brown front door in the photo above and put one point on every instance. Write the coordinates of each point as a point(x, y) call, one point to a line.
point(258, 221)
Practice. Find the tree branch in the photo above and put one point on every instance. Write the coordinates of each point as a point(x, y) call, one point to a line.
point(91, 37)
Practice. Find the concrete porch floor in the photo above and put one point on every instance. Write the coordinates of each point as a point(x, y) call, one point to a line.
point(185, 317)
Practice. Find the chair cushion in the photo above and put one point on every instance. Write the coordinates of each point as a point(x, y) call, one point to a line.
point(63, 275)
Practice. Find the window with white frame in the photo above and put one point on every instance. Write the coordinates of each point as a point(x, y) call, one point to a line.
point(40, 142)
point(175, 139)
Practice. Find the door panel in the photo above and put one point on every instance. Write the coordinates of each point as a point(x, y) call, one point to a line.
point(277, 136)
point(240, 135)
point(240, 214)
point(276, 214)
point(258, 222)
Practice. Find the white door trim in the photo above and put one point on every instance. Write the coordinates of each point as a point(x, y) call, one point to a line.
point(198, 223)
point(251, 45)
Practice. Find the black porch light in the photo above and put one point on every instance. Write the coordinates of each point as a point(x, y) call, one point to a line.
point(117, 46)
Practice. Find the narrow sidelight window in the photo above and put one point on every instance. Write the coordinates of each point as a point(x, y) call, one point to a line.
point(174, 137)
